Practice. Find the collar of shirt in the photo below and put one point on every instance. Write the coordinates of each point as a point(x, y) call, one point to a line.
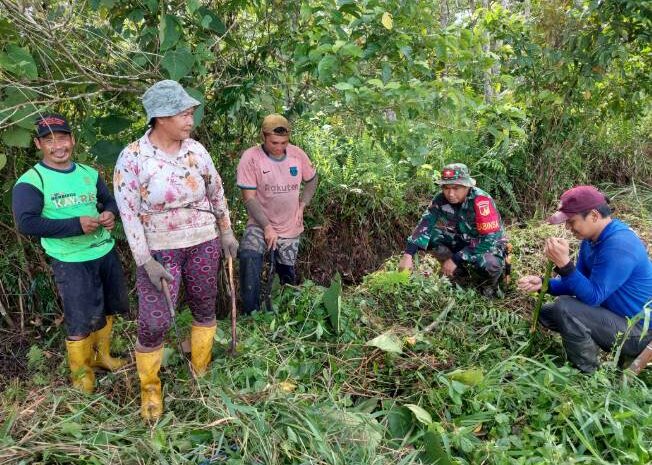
point(148, 149)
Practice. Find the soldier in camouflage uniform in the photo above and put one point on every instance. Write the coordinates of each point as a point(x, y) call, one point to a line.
point(464, 229)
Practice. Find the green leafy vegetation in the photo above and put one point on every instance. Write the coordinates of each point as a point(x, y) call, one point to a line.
point(370, 366)
point(420, 372)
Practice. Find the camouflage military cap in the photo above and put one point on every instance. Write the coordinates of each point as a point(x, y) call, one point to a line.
point(167, 98)
point(456, 173)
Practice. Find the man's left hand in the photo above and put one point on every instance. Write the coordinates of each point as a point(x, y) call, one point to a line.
point(558, 251)
point(448, 268)
point(107, 219)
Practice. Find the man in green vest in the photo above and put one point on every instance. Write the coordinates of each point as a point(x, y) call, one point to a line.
point(69, 207)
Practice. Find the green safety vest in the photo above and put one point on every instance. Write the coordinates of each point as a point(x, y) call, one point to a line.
point(70, 195)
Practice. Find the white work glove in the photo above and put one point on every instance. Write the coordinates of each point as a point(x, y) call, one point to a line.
point(229, 244)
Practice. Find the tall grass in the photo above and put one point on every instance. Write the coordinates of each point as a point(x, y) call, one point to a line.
point(299, 392)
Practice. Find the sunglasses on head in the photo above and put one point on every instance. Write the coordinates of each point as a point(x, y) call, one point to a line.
point(280, 130)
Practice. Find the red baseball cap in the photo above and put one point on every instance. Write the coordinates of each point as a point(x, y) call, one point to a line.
point(577, 200)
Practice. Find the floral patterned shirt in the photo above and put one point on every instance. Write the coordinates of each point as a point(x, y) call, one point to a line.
point(160, 197)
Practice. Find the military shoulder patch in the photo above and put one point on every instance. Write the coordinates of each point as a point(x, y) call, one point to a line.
point(487, 218)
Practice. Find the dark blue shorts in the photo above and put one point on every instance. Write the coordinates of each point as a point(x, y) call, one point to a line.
point(89, 291)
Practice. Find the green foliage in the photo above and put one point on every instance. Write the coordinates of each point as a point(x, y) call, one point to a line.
point(462, 393)
point(386, 281)
point(381, 94)
point(18, 61)
point(387, 342)
point(332, 299)
point(35, 358)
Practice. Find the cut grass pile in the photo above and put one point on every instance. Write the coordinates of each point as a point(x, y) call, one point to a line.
point(398, 370)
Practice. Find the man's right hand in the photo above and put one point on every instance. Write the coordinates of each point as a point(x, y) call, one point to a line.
point(89, 224)
point(529, 283)
point(270, 237)
point(405, 263)
point(156, 272)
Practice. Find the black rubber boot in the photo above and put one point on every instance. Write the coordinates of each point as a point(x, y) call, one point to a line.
point(286, 274)
point(251, 265)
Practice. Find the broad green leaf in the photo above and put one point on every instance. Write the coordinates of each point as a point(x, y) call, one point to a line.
point(350, 8)
point(178, 63)
point(110, 125)
point(333, 302)
point(305, 12)
point(87, 132)
point(647, 309)
point(338, 45)
point(399, 422)
point(376, 83)
point(136, 15)
point(200, 436)
point(7, 29)
point(96, 4)
point(16, 136)
point(17, 95)
point(344, 86)
point(3, 160)
point(326, 68)
point(351, 50)
point(388, 342)
point(192, 5)
point(434, 449)
point(140, 60)
point(152, 5)
point(420, 414)
point(106, 152)
point(406, 50)
point(387, 72)
point(199, 111)
point(159, 439)
point(471, 377)
point(169, 32)
point(18, 61)
point(210, 20)
point(387, 21)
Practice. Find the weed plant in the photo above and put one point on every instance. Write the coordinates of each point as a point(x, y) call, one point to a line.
point(450, 376)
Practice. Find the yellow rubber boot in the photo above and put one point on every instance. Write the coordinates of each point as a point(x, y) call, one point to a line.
point(148, 364)
point(80, 354)
point(201, 344)
point(102, 356)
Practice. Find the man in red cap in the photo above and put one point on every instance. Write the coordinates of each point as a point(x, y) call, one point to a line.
point(610, 283)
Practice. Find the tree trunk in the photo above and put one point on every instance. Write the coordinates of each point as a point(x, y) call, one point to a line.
point(486, 47)
point(443, 14)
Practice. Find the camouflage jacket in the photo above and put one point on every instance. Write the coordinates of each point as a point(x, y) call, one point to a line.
point(470, 230)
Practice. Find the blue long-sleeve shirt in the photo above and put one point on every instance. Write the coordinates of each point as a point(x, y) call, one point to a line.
point(613, 272)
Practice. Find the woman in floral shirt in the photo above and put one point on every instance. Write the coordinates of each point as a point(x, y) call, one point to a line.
point(166, 187)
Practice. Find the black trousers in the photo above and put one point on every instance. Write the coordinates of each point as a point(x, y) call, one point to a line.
point(585, 329)
point(90, 291)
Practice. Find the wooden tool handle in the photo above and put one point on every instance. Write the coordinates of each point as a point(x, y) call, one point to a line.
point(642, 360)
point(168, 298)
point(229, 262)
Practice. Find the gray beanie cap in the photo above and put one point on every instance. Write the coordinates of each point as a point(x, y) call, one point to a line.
point(167, 98)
